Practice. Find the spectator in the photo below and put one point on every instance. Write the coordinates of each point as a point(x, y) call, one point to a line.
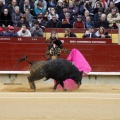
point(86, 14)
point(43, 2)
point(62, 15)
point(42, 22)
point(24, 32)
point(39, 9)
point(101, 33)
point(2, 6)
point(51, 3)
point(16, 16)
point(103, 3)
point(28, 16)
point(64, 11)
point(98, 5)
point(36, 31)
point(68, 33)
point(12, 6)
point(72, 9)
point(98, 15)
point(89, 33)
point(102, 22)
point(67, 22)
point(1, 32)
point(22, 2)
point(88, 23)
point(51, 13)
point(52, 37)
point(11, 32)
point(53, 23)
point(76, 2)
point(59, 6)
point(5, 18)
point(117, 4)
point(23, 21)
point(27, 4)
point(86, 6)
point(109, 9)
point(79, 23)
point(7, 2)
point(113, 18)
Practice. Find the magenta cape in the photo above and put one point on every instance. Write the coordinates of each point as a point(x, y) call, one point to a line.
point(81, 63)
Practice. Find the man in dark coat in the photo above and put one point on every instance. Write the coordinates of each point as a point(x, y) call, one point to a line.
point(53, 23)
point(58, 8)
point(27, 4)
point(5, 18)
point(62, 15)
point(2, 6)
point(67, 22)
point(102, 22)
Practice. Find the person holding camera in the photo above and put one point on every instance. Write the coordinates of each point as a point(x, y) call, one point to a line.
point(36, 31)
point(67, 22)
point(24, 32)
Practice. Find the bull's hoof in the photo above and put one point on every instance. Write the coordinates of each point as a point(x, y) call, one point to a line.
point(54, 90)
point(32, 90)
point(64, 90)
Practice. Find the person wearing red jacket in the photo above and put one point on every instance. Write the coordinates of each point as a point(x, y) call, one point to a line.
point(78, 23)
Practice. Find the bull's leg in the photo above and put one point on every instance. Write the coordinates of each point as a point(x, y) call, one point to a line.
point(32, 86)
point(62, 84)
point(55, 85)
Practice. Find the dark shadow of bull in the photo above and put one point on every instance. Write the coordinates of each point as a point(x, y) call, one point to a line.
point(59, 70)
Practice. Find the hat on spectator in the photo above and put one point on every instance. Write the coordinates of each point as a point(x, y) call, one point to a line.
point(53, 32)
point(100, 9)
point(79, 16)
point(60, 0)
point(64, 7)
point(39, 16)
point(90, 27)
point(41, 0)
point(1, 29)
point(11, 28)
point(36, 22)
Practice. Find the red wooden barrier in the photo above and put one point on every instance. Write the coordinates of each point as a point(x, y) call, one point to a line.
point(64, 40)
point(86, 40)
point(102, 57)
point(61, 30)
point(23, 39)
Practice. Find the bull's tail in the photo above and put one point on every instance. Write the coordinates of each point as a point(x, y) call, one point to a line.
point(24, 58)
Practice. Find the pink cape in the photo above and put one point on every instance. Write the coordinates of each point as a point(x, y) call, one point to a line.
point(81, 63)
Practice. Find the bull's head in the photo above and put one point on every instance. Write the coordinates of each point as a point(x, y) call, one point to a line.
point(79, 78)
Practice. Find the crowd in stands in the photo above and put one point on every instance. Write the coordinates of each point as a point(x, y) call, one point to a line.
point(40, 14)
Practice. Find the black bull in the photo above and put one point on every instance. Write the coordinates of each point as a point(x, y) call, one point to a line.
point(59, 70)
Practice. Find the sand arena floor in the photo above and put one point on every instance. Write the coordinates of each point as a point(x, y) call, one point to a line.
point(89, 102)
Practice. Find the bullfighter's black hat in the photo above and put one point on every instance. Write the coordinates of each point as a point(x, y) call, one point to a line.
point(58, 43)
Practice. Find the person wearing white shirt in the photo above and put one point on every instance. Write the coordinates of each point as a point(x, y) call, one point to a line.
point(24, 32)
